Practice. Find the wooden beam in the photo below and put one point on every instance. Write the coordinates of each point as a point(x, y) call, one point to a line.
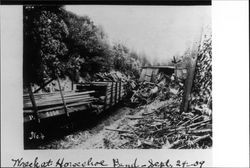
point(188, 84)
point(105, 100)
point(120, 87)
point(45, 84)
point(33, 103)
point(111, 99)
point(64, 104)
point(116, 95)
point(191, 65)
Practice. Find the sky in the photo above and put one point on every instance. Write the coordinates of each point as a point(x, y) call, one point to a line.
point(158, 31)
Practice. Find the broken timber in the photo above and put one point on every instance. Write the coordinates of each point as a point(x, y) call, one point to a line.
point(190, 75)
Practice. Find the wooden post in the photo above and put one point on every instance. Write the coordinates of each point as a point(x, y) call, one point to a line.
point(72, 85)
point(120, 87)
point(188, 85)
point(111, 97)
point(116, 95)
point(64, 104)
point(190, 74)
point(32, 98)
point(105, 99)
point(175, 69)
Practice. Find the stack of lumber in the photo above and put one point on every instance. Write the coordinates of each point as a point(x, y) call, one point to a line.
point(108, 93)
point(128, 84)
point(52, 104)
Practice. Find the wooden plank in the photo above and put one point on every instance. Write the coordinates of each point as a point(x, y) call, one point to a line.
point(116, 95)
point(44, 110)
point(33, 103)
point(57, 94)
point(46, 83)
point(43, 94)
point(65, 98)
point(111, 98)
point(120, 88)
point(64, 104)
point(105, 100)
point(188, 86)
point(191, 65)
point(79, 93)
point(49, 100)
point(57, 107)
point(56, 103)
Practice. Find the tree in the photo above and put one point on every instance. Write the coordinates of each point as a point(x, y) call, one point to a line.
point(44, 47)
point(89, 42)
point(126, 61)
point(60, 43)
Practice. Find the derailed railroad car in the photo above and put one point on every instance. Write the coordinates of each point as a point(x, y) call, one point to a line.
point(42, 111)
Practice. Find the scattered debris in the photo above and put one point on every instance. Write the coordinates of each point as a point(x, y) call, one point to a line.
point(167, 126)
point(162, 88)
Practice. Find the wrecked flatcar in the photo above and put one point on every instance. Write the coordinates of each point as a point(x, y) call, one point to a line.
point(93, 97)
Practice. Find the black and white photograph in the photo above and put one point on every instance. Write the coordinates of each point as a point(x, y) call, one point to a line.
point(124, 83)
point(117, 77)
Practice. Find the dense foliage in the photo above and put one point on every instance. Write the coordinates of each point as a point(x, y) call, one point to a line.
point(60, 43)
